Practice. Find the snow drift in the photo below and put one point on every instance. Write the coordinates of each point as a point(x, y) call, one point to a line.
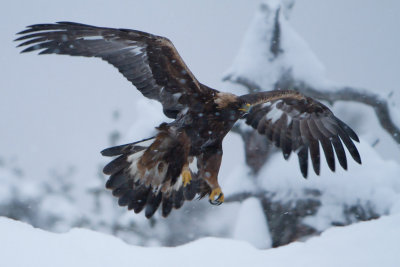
point(373, 243)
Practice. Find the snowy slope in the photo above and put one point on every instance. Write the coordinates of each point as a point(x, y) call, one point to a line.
point(373, 243)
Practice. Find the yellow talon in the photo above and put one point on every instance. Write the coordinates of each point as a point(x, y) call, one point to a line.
point(186, 177)
point(216, 196)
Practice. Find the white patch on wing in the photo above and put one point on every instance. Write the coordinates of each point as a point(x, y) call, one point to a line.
point(275, 113)
point(133, 159)
point(176, 96)
point(289, 120)
point(156, 189)
point(193, 165)
point(184, 111)
point(267, 104)
point(178, 183)
point(294, 113)
point(159, 176)
point(136, 50)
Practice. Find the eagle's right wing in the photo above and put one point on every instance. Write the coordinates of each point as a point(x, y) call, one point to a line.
point(150, 62)
point(298, 123)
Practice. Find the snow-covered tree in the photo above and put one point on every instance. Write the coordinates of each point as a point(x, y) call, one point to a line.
point(274, 56)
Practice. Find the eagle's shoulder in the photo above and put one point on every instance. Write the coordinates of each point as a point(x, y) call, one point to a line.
point(223, 100)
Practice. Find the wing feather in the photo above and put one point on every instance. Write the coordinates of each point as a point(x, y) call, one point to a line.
point(340, 152)
point(149, 62)
point(325, 143)
point(298, 123)
point(286, 143)
point(303, 160)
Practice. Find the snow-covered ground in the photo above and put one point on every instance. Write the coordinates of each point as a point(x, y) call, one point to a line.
point(373, 243)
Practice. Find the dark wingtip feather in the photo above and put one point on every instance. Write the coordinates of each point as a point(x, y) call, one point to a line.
point(356, 156)
point(19, 39)
point(112, 151)
point(31, 48)
point(315, 156)
point(70, 23)
point(340, 153)
point(25, 31)
point(329, 155)
point(353, 152)
point(286, 147)
point(49, 51)
point(348, 130)
point(350, 145)
point(24, 43)
point(303, 160)
point(36, 27)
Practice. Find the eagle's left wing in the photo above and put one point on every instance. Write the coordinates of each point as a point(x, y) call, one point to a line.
point(149, 62)
point(294, 122)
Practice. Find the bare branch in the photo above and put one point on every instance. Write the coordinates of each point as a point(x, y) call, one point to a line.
point(364, 96)
point(242, 196)
point(251, 86)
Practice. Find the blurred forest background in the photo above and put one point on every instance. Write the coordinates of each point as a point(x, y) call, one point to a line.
point(58, 112)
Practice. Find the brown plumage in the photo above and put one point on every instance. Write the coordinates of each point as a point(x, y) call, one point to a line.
point(184, 158)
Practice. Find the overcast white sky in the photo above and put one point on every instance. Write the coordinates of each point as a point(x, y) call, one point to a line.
point(56, 110)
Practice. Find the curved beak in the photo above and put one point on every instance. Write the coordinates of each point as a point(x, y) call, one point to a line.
point(245, 108)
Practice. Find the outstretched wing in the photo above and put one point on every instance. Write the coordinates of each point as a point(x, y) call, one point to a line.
point(297, 123)
point(150, 62)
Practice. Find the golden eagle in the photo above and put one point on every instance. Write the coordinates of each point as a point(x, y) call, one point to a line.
point(183, 159)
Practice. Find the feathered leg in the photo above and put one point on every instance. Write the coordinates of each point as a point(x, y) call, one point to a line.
point(211, 162)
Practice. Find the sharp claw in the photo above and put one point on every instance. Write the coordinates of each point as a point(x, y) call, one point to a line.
point(216, 200)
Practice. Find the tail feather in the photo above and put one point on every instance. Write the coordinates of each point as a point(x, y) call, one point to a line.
point(153, 202)
point(124, 200)
point(120, 191)
point(116, 165)
point(167, 204)
point(138, 200)
point(190, 190)
point(158, 184)
point(178, 198)
point(116, 180)
point(130, 148)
